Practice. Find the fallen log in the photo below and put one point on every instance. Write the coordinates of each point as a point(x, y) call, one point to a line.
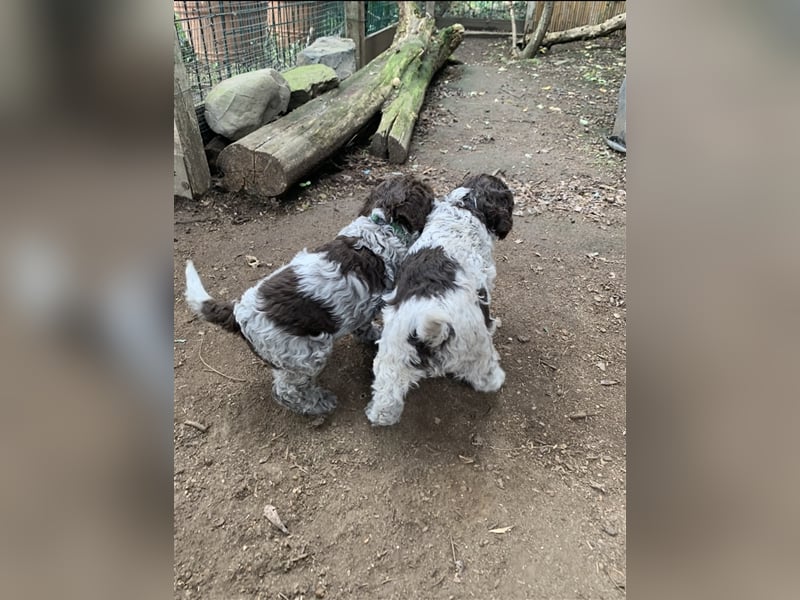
point(586, 32)
point(393, 136)
point(269, 160)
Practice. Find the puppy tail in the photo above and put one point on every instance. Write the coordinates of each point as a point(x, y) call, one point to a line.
point(434, 329)
point(204, 306)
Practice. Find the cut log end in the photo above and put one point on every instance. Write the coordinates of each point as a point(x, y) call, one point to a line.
point(397, 151)
point(260, 174)
point(378, 145)
point(269, 176)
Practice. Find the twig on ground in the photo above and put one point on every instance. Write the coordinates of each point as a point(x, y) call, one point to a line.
point(197, 425)
point(581, 415)
point(198, 220)
point(210, 368)
point(547, 364)
point(298, 558)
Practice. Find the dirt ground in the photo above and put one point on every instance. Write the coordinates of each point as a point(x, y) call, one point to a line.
point(519, 494)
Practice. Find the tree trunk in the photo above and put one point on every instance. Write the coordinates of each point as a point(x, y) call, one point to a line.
point(269, 160)
point(514, 51)
point(393, 136)
point(530, 11)
point(587, 32)
point(541, 28)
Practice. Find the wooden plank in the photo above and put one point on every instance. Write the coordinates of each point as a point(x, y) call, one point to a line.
point(188, 131)
point(379, 41)
point(180, 178)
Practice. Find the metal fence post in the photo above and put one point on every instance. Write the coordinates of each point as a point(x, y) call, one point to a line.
point(187, 133)
point(355, 15)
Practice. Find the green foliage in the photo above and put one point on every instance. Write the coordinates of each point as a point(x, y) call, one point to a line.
point(485, 10)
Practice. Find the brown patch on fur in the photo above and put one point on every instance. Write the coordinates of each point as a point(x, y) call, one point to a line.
point(282, 301)
point(362, 262)
point(404, 199)
point(494, 202)
point(220, 313)
point(425, 274)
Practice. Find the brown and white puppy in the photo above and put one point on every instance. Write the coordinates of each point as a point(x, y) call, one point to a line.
point(291, 318)
point(436, 322)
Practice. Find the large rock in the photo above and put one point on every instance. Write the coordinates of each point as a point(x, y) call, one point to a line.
point(309, 81)
point(243, 103)
point(337, 53)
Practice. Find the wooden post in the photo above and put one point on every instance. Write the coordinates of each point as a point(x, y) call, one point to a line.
point(430, 8)
point(356, 27)
point(187, 134)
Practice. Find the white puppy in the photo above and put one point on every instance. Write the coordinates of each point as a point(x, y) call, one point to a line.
point(291, 318)
point(436, 321)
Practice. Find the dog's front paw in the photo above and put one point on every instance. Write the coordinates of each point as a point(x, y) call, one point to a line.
point(383, 417)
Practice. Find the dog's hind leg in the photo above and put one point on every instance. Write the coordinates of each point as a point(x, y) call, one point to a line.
point(393, 379)
point(299, 392)
point(485, 375)
point(294, 382)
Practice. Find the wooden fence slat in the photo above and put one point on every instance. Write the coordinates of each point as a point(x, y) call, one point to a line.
point(187, 134)
point(567, 15)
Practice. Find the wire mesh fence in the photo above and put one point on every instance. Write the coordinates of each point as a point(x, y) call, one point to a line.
point(380, 15)
point(493, 11)
point(221, 39)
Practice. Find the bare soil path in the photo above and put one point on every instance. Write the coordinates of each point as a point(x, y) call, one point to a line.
point(519, 494)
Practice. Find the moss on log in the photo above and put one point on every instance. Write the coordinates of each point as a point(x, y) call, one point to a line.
point(269, 160)
point(309, 81)
point(400, 113)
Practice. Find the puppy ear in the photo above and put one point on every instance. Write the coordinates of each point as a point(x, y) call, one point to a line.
point(412, 206)
point(494, 200)
point(498, 220)
point(370, 202)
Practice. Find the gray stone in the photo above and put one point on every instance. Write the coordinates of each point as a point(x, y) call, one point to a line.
point(309, 81)
point(338, 53)
point(243, 103)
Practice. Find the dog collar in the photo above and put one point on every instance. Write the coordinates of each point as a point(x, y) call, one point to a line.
point(398, 229)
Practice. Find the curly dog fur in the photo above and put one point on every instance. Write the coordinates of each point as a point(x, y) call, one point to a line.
point(291, 318)
point(437, 320)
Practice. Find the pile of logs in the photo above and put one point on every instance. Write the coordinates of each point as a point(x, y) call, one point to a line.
point(268, 161)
